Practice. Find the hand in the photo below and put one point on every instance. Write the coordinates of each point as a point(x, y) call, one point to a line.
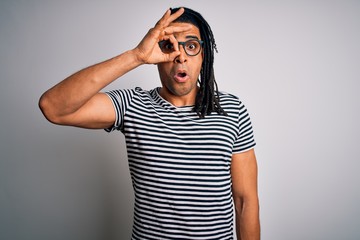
point(148, 50)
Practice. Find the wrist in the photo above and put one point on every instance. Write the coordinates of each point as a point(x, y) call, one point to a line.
point(138, 56)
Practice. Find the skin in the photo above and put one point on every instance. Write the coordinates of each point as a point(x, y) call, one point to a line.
point(77, 101)
point(181, 92)
point(245, 195)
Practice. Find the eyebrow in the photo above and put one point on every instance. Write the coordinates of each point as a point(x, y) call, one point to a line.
point(190, 36)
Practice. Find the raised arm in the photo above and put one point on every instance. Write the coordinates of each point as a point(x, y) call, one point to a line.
point(77, 101)
point(244, 184)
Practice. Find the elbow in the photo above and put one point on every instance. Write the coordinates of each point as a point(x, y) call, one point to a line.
point(242, 202)
point(47, 110)
point(238, 204)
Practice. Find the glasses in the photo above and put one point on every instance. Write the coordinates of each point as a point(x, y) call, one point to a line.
point(192, 47)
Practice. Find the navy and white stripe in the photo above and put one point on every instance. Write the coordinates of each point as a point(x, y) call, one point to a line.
point(180, 164)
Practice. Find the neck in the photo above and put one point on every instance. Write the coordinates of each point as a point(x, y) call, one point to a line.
point(178, 100)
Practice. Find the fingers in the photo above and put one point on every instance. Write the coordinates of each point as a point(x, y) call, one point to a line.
point(168, 33)
point(173, 41)
point(169, 57)
point(174, 16)
point(171, 30)
point(162, 31)
point(167, 18)
point(176, 29)
point(173, 56)
point(163, 25)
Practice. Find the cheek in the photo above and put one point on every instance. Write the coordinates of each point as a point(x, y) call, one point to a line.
point(199, 66)
point(163, 70)
point(201, 59)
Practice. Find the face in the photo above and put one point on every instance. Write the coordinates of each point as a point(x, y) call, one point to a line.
point(179, 77)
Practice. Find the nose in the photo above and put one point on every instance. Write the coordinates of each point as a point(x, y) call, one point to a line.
point(182, 57)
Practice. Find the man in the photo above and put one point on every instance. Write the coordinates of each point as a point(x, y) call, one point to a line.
point(190, 147)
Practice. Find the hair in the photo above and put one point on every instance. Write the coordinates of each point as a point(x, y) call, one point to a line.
point(207, 98)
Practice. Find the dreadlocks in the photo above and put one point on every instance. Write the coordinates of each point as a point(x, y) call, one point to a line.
point(207, 98)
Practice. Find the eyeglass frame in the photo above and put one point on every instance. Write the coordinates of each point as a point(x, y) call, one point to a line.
point(161, 45)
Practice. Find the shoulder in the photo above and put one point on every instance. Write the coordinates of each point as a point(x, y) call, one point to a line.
point(130, 93)
point(233, 105)
point(228, 99)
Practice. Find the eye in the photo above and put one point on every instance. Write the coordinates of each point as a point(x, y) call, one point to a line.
point(166, 46)
point(192, 45)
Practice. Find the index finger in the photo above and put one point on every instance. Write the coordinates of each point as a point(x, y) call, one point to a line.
point(168, 17)
point(176, 29)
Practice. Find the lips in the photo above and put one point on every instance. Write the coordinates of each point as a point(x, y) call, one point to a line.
point(181, 76)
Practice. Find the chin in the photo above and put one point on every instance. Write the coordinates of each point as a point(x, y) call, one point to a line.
point(180, 92)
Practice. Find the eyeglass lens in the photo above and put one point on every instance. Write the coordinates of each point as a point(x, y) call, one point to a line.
point(191, 47)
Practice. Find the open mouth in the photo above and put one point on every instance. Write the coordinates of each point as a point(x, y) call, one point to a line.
point(181, 74)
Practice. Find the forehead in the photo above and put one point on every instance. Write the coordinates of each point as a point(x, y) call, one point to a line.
point(193, 30)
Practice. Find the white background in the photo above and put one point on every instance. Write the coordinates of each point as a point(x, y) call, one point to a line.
point(295, 64)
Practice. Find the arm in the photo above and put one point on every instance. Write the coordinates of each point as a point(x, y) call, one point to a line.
point(244, 187)
point(77, 100)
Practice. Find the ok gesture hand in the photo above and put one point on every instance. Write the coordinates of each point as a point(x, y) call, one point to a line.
point(148, 50)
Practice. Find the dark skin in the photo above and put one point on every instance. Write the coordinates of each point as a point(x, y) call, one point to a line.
point(179, 77)
point(77, 101)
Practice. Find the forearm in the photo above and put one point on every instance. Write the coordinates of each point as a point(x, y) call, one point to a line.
point(73, 92)
point(247, 220)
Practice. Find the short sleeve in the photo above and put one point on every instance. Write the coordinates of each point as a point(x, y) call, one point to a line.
point(121, 100)
point(245, 138)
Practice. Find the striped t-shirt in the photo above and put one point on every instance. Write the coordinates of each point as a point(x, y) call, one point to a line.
point(180, 164)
